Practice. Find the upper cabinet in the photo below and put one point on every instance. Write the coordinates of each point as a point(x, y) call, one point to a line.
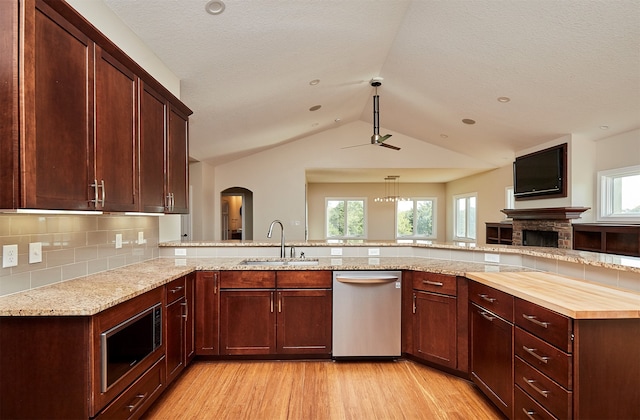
point(80, 136)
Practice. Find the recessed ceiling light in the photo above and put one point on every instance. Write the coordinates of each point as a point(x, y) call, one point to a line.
point(214, 7)
point(504, 99)
point(604, 127)
point(315, 107)
point(468, 121)
point(314, 82)
point(337, 120)
point(444, 136)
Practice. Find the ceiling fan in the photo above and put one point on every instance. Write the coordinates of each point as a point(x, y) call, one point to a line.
point(377, 139)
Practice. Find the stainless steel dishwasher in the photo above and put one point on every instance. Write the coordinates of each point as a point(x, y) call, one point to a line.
point(366, 314)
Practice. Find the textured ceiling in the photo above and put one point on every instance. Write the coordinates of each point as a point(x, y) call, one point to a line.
point(569, 67)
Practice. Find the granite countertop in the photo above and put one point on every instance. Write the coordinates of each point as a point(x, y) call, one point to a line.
point(597, 259)
point(92, 294)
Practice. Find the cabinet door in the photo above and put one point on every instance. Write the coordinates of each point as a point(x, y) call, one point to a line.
point(207, 309)
point(247, 322)
point(189, 319)
point(174, 337)
point(178, 162)
point(152, 120)
point(116, 139)
point(304, 321)
point(492, 357)
point(434, 326)
point(9, 105)
point(58, 113)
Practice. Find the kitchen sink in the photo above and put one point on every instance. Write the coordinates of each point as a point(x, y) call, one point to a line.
point(277, 262)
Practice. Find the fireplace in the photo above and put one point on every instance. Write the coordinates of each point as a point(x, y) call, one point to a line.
point(547, 227)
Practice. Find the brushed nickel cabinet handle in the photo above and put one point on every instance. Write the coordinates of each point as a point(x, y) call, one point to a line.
point(433, 283)
point(185, 315)
point(529, 413)
point(533, 319)
point(177, 289)
point(215, 283)
point(103, 191)
point(133, 405)
point(486, 316)
point(486, 297)
point(95, 193)
point(543, 359)
point(271, 302)
point(279, 302)
point(414, 303)
point(531, 383)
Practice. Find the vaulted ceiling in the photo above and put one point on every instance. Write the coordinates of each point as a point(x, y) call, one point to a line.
point(567, 66)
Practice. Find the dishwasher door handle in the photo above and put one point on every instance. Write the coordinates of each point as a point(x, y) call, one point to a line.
point(366, 280)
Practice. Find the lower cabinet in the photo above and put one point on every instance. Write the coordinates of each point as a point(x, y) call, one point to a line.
point(207, 310)
point(258, 318)
point(437, 330)
point(491, 345)
point(179, 326)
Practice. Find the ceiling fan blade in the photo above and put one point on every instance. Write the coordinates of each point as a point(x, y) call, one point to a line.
point(383, 138)
point(389, 146)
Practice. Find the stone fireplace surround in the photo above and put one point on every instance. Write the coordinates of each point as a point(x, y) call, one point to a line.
point(549, 219)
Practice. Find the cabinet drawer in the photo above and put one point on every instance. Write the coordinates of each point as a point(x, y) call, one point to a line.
point(498, 302)
point(436, 283)
point(542, 389)
point(526, 408)
point(175, 290)
point(247, 279)
point(546, 358)
point(304, 279)
point(544, 323)
point(133, 402)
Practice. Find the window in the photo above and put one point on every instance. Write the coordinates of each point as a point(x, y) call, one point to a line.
point(345, 217)
point(416, 218)
point(464, 217)
point(619, 192)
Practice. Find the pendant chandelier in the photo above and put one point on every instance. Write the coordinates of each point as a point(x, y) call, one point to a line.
point(391, 190)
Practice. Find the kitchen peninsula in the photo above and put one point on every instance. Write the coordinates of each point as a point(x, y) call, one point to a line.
point(84, 309)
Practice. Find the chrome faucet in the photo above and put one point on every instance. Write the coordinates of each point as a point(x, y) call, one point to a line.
point(282, 253)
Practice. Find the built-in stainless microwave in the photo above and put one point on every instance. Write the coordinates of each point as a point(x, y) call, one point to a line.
point(128, 343)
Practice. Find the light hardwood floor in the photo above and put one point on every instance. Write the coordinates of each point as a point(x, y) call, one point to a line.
point(319, 390)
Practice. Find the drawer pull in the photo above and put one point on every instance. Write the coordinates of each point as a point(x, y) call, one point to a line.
point(414, 303)
point(177, 289)
point(543, 359)
point(486, 298)
point(486, 316)
point(433, 283)
point(529, 413)
point(139, 398)
point(533, 319)
point(531, 383)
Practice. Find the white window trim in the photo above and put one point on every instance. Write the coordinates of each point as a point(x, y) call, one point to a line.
point(605, 180)
point(434, 233)
point(364, 209)
point(455, 221)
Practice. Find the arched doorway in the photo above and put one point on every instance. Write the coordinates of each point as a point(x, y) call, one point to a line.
point(237, 214)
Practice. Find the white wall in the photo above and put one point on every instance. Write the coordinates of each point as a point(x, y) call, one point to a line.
point(490, 187)
point(618, 151)
point(277, 176)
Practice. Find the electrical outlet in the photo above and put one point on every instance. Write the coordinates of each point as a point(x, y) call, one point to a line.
point(35, 252)
point(492, 258)
point(118, 240)
point(336, 251)
point(9, 256)
point(141, 238)
point(374, 251)
point(180, 252)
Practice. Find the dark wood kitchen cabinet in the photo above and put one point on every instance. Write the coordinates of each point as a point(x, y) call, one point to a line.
point(51, 366)
point(179, 325)
point(304, 312)
point(491, 345)
point(435, 329)
point(207, 310)
point(70, 117)
point(258, 318)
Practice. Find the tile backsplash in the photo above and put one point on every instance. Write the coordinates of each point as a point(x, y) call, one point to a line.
point(73, 246)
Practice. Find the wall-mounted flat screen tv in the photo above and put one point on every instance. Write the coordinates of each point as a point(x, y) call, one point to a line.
point(542, 174)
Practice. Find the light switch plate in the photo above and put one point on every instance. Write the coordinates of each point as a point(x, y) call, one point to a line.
point(180, 252)
point(374, 251)
point(118, 240)
point(492, 258)
point(336, 251)
point(35, 252)
point(9, 256)
point(140, 238)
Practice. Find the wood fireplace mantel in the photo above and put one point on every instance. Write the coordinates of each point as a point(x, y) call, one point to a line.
point(548, 213)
